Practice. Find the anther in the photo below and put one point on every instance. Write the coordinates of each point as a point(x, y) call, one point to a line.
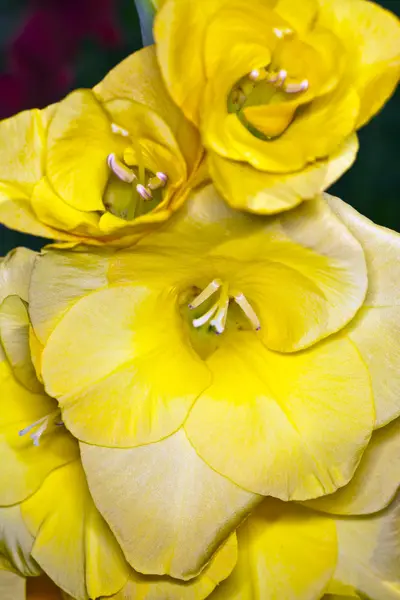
point(281, 78)
point(248, 310)
point(144, 192)
point(254, 75)
point(206, 293)
point(160, 180)
point(119, 130)
point(294, 88)
point(40, 427)
point(121, 171)
point(281, 33)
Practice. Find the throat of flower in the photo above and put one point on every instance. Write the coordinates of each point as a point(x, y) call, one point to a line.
point(216, 316)
point(42, 426)
point(132, 190)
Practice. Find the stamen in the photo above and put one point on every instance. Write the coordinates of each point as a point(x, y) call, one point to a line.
point(248, 310)
point(206, 317)
point(119, 130)
point(120, 169)
point(160, 180)
point(281, 78)
point(40, 426)
point(254, 75)
point(206, 293)
point(294, 88)
point(144, 192)
point(281, 33)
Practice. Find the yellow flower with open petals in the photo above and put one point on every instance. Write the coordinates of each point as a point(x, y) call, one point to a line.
point(223, 358)
point(48, 519)
point(277, 88)
point(102, 165)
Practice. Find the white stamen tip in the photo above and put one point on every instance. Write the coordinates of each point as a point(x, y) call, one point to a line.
point(248, 310)
point(162, 177)
point(144, 192)
point(206, 293)
point(281, 77)
point(254, 74)
point(119, 169)
point(294, 88)
point(281, 33)
point(119, 130)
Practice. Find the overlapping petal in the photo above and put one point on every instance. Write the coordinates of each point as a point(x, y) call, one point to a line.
point(168, 510)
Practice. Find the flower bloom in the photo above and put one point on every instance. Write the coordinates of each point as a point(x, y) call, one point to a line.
point(223, 359)
point(277, 90)
point(102, 164)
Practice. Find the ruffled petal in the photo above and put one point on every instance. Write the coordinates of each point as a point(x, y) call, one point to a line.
point(24, 466)
point(284, 552)
point(168, 510)
point(59, 279)
point(164, 588)
point(15, 273)
point(16, 544)
point(290, 426)
point(376, 480)
point(246, 188)
point(376, 330)
point(371, 36)
point(369, 553)
point(138, 78)
point(73, 544)
point(115, 364)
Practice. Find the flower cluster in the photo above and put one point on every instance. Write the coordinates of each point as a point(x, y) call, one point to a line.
point(200, 377)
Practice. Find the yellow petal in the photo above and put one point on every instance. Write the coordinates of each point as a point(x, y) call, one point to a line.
point(371, 36)
point(24, 466)
point(73, 544)
point(290, 426)
point(12, 586)
point(138, 78)
point(157, 588)
point(14, 334)
point(300, 16)
point(15, 545)
point(375, 331)
point(15, 273)
point(246, 188)
point(50, 209)
point(16, 213)
point(376, 480)
point(79, 140)
point(172, 23)
point(168, 510)
point(284, 552)
point(369, 553)
point(22, 145)
point(103, 355)
point(59, 279)
point(303, 272)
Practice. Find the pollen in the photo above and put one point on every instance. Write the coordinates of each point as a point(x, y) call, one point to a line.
point(39, 427)
point(216, 316)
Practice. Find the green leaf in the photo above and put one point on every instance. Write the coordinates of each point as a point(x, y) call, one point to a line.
point(146, 11)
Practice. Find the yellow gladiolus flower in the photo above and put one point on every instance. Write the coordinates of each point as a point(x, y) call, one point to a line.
point(102, 165)
point(48, 519)
point(277, 88)
point(221, 359)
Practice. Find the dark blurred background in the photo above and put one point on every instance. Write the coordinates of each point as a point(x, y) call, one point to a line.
point(49, 47)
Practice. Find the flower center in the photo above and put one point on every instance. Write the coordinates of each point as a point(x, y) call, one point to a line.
point(144, 189)
point(215, 317)
point(266, 85)
point(39, 427)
